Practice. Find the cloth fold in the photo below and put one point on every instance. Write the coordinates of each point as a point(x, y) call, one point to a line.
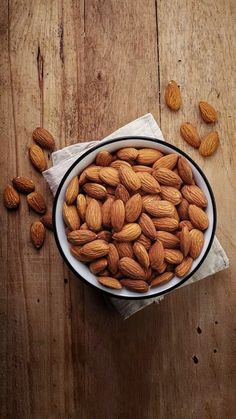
point(146, 125)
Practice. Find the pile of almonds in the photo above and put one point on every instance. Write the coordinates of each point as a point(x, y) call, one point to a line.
point(136, 218)
point(208, 144)
point(25, 185)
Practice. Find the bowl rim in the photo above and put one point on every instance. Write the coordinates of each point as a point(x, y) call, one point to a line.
point(114, 140)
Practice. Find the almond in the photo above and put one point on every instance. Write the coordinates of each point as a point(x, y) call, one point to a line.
point(36, 202)
point(184, 267)
point(118, 163)
point(142, 169)
point(148, 156)
point(95, 249)
point(129, 232)
point(168, 162)
point(105, 235)
point(122, 193)
point(71, 216)
point(156, 255)
point(208, 113)
point(161, 279)
point(81, 237)
point(93, 215)
point(131, 268)
point(185, 240)
point(81, 206)
point(160, 208)
point(209, 144)
point(141, 255)
point(173, 96)
point(125, 249)
point(190, 134)
point(129, 178)
point(128, 153)
point(23, 184)
point(37, 158)
point(47, 221)
point(84, 226)
point(117, 215)
point(169, 240)
point(76, 252)
point(197, 242)
point(98, 266)
point(167, 177)
point(11, 197)
point(104, 158)
point(175, 214)
point(106, 212)
point(186, 223)
point(183, 209)
point(185, 171)
point(162, 267)
point(113, 259)
point(171, 194)
point(135, 285)
point(72, 191)
point(43, 138)
point(110, 176)
point(198, 217)
point(83, 178)
point(110, 282)
point(165, 224)
point(133, 208)
point(147, 226)
point(92, 173)
point(145, 241)
point(173, 256)
point(194, 195)
point(149, 199)
point(148, 183)
point(37, 234)
point(95, 190)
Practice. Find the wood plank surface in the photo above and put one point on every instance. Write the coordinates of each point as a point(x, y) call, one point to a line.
point(82, 69)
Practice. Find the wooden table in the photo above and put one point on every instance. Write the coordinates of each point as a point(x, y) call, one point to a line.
point(82, 69)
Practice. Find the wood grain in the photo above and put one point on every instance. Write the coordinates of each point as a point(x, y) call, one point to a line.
point(82, 69)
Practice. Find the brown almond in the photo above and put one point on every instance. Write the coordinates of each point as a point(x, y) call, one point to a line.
point(122, 193)
point(109, 282)
point(141, 255)
point(145, 241)
point(84, 226)
point(184, 267)
point(71, 216)
point(95, 249)
point(106, 212)
point(117, 215)
point(81, 237)
point(183, 209)
point(173, 256)
point(104, 158)
point(185, 171)
point(72, 191)
point(93, 216)
point(110, 176)
point(168, 193)
point(92, 173)
point(98, 266)
point(156, 255)
point(117, 163)
point(148, 156)
point(169, 240)
point(173, 96)
point(160, 208)
point(42, 137)
point(148, 183)
point(95, 190)
point(81, 206)
point(47, 221)
point(207, 112)
point(185, 240)
point(23, 184)
point(37, 158)
point(209, 144)
point(165, 224)
point(133, 208)
point(162, 267)
point(142, 169)
point(125, 249)
point(190, 134)
point(135, 285)
point(37, 234)
point(36, 202)
point(129, 232)
point(169, 161)
point(129, 178)
point(161, 279)
point(147, 226)
point(197, 242)
point(198, 217)
point(127, 154)
point(194, 195)
point(186, 223)
point(113, 259)
point(11, 197)
point(131, 268)
point(167, 177)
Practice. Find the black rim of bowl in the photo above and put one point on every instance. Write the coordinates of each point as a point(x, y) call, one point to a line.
point(101, 145)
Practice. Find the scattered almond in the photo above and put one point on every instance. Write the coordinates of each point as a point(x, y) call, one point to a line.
point(42, 137)
point(11, 197)
point(209, 144)
point(23, 184)
point(37, 234)
point(173, 96)
point(208, 113)
point(36, 202)
point(47, 221)
point(190, 134)
point(37, 158)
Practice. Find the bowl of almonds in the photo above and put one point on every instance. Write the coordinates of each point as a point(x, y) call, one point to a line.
point(134, 217)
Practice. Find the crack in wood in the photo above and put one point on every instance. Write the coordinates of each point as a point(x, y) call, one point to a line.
point(40, 68)
point(61, 36)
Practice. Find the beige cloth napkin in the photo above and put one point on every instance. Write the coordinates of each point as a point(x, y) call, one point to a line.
point(216, 260)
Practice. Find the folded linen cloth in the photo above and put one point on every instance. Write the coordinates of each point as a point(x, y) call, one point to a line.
point(146, 125)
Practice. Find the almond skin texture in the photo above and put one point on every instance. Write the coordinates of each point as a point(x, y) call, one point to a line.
point(129, 178)
point(145, 241)
point(133, 208)
point(198, 217)
point(171, 194)
point(76, 252)
point(194, 195)
point(105, 235)
point(81, 206)
point(42, 137)
point(71, 216)
point(162, 267)
point(142, 169)
point(147, 226)
point(169, 240)
point(98, 266)
point(72, 191)
point(185, 171)
point(23, 184)
point(186, 223)
point(173, 256)
point(92, 173)
point(185, 241)
point(165, 224)
point(190, 134)
point(184, 267)
point(95, 190)
point(104, 158)
point(135, 285)
point(117, 215)
point(173, 96)
point(109, 282)
point(156, 255)
point(168, 162)
point(183, 209)
point(11, 197)
point(167, 177)
point(93, 215)
point(37, 234)
point(36, 202)
point(125, 249)
point(113, 259)
point(127, 154)
point(160, 209)
point(95, 249)
point(148, 183)
point(47, 221)
point(209, 144)
point(129, 232)
point(149, 200)
point(197, 242)
point(141, 254)
point(37, 158)
point(122, 193)
point(81, 237)
point(161, 279)
point(106, 212)
point(118, 163)
point(110, 176)
point(148, 156)
point(131, 269)
point(208, 113)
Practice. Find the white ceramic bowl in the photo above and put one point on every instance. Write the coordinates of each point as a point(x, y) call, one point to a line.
point(81, 270)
